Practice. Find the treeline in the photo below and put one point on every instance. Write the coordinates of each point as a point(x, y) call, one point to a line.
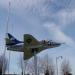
point(46, 66)
point(3, 64)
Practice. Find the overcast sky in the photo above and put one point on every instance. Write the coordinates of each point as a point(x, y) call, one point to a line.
point(44, 19)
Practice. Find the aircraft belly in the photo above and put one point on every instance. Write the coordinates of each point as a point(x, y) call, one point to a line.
point(15, 48)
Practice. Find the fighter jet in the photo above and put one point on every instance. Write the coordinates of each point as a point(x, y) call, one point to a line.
point(29, 46)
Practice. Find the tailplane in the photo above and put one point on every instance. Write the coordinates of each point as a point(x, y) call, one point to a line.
point(11, 40)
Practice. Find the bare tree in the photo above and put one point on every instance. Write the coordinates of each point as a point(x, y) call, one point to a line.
point(23, 65)
point(3, 64)
point(66, 68)
point(30, 67)
point(46, 65)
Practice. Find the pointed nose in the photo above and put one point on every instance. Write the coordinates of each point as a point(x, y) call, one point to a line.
point(57, 44)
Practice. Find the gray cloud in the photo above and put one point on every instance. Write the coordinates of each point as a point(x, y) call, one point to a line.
point(59, 35)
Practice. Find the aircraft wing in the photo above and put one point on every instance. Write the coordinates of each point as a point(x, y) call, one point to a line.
point(29, 52)
point(29, 41)
point(31, 44)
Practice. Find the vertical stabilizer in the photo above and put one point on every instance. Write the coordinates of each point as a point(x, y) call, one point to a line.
point(11, 40)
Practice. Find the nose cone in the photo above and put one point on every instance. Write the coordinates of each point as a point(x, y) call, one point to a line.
point(52, 44)
point(57, 44)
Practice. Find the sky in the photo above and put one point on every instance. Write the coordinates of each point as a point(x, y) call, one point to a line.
point(44, 19)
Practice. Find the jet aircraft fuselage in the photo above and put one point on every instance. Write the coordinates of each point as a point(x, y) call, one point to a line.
point(29, 46)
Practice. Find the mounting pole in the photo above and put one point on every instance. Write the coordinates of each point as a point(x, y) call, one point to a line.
point(7, 32)
point(24, 68)
point(5, 37)
point(35, 62)
point(57, 63)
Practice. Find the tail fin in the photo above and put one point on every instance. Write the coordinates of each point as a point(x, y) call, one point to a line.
point(11, 40)
point(30, 40)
